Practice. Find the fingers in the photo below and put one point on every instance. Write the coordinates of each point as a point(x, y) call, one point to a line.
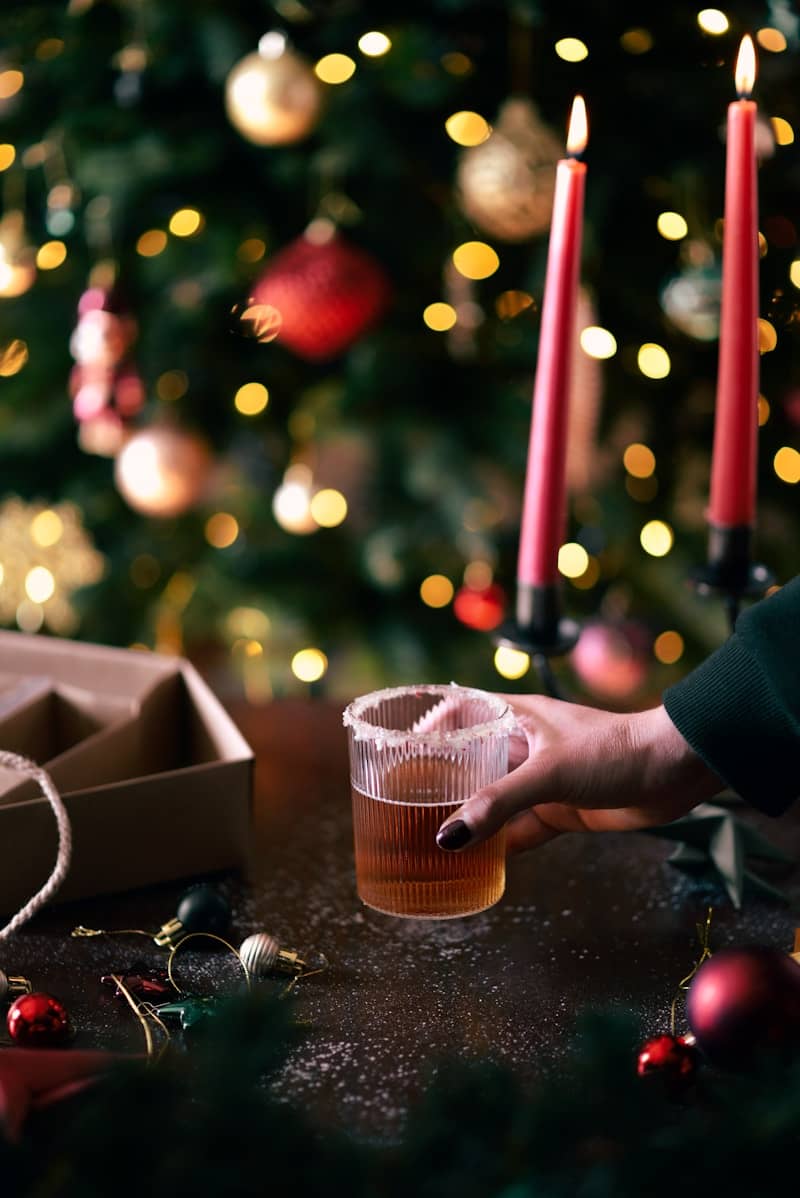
point(486, 811)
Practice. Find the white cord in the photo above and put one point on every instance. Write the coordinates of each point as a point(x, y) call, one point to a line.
point(23, 765)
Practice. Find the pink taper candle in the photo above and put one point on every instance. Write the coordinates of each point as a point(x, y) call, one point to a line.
point(733, 465)
point(544, 505)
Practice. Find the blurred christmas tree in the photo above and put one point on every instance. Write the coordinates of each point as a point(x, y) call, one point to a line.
point(269, 288)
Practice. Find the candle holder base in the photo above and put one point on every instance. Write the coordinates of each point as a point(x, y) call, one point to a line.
point(554, 641)
point(730, 574)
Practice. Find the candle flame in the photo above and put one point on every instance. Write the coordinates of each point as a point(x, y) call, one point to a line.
point(746, 67)
point(578, 131)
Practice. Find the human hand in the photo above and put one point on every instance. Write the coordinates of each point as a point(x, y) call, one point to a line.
point(577, 769)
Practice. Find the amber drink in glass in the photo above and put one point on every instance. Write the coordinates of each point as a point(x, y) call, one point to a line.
point(416, 753)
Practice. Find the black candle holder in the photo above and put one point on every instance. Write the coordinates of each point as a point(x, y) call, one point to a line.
point(730, 573)
point(540, 630)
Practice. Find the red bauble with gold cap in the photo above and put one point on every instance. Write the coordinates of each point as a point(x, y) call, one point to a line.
point(325, 292)
point(38, 1021)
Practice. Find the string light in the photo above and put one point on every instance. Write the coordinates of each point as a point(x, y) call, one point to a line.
point(440, 317)
point(598, 342)
point(475, 260)
point(639, 460)
point(7, 155)
point(335, 68)
point(467, 128)
point(151, 243)
point(571, 49)
point(251, 398)
point(573, 560)
point(47, 528)
point(328, 507)
point(436, 590)
point(656, 538)
point(511, 663)
point(672, 226)
point(794, 272)
point(309, 665)
point(713, 21)
point(39, 584)
point(653, 360)
point(374, 44)
point(50, 255)
point(221, 530)
point(786, 464)
point(767, 336)
point(783, 131)
point(763, 410)
point(668, 647)
point(185, 222)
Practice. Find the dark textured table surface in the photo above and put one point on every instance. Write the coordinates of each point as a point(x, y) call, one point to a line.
point(587, 920)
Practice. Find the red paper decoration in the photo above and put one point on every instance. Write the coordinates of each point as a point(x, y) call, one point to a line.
point(326, 294)
point(482, 609)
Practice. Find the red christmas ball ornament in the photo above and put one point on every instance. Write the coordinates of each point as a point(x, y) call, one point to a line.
point(325, 292)
point(611, 659)
point(669, 1057)
point(482, 609)
point(743, 1002)
point(38, 1021)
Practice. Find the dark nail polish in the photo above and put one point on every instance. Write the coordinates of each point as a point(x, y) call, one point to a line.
point(453, 836)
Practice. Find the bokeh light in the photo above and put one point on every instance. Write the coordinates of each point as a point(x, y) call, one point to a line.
point(510, 303)
point(598, 342)
point(221, 530)
point(573, 560)
point(767, 336)
point(151, 243)
point(7, 155)
point(328, 507)
point(771, 39)
point(440, 317)
point(252, 249)
point(50, 255)
point(309, 665)
point(436, 590)
point(172, 385)
point(653, 360)
point(783, 131)
point(185, 222)
point(511, 663)
point(251, 398)
point(668, 647)
point(763, 410)
point(374, 44)
point(713, 20)
point(571, 49)
point(467, 128)
point(657, 538)
point(10, 83)
point(335, 68)
point(13, 356)
point(47, 528)
point(672, 226)
point(786, 464)
point(794, 272)
point(639, 460)
point(475, 260)
point(40, 584)
point(637, 41)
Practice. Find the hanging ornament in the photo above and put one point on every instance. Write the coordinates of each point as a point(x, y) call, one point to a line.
point(47, 554)
point(482, 609)
point(163, 471)
point(38, 1021)
point(11, 986)
point(273, 97)
point(672, 1058)
point(745, 1002)
point(17, 257)
point(202, 911)
point(611, 660)
point(506, 183)
point(691, 299)
point(262, 955)
point(326, 292)
point(105, 386)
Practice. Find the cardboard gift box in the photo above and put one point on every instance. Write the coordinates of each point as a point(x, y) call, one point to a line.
point(156, 777)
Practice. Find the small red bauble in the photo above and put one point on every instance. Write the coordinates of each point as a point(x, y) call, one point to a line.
point(671, 1057)
point(38, 1021)
point(327, 293)
point(482, 609)
point(611, 660)
point(743, 1002)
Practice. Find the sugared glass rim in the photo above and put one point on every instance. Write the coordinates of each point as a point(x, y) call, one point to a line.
point(453, 738)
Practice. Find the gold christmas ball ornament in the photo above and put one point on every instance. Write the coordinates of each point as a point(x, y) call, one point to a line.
point(162, 471)
point(506, 183)
point(273, 97)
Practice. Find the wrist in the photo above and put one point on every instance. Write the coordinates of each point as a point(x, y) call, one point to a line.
point(669, 761)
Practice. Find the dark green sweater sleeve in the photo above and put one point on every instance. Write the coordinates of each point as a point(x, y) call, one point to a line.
point(740, 710)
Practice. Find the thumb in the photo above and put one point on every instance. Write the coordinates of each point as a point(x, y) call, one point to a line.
point(485, 812)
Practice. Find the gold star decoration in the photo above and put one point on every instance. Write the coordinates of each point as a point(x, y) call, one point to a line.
point(45, 555)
